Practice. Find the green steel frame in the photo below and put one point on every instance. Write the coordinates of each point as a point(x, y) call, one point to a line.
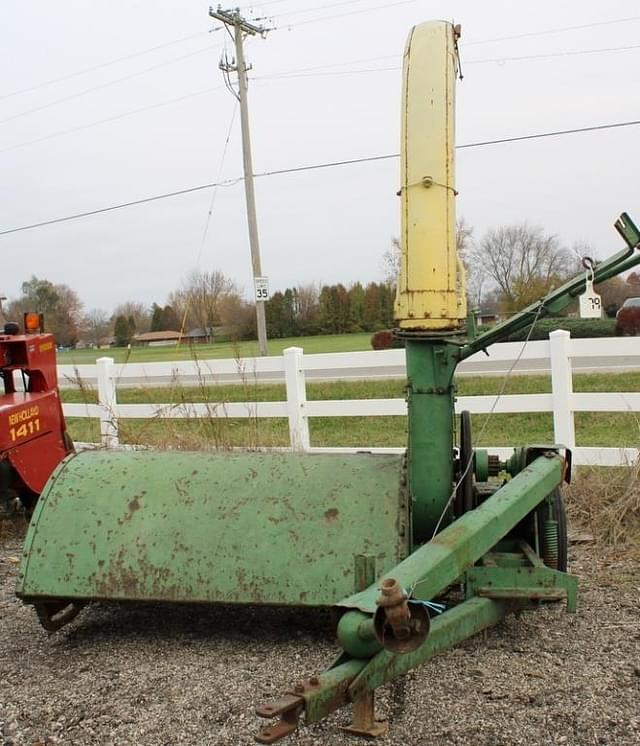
point(485, 549)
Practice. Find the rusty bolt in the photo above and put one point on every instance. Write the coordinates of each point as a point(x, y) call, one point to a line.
point(314, 681)
point(298, 689)
point(393, 600)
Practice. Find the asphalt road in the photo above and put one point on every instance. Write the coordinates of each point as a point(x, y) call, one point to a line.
point(594, 364)
point(488, 367)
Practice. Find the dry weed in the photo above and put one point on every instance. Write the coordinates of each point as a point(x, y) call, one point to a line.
point(606, 501)
point(177, 426)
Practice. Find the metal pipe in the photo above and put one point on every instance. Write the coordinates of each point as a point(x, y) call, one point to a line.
point(447, 630)
point(430, 367)
point(439, 562)
point(431, 284)
point(555, 301)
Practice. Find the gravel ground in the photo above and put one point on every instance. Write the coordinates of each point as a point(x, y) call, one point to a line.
point(159, 676)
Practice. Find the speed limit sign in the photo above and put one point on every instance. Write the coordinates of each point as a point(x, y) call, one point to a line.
point(262, 288)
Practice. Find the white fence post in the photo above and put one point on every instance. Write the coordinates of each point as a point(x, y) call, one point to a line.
point(296, 399)
point(562, 388)
point(107, 400)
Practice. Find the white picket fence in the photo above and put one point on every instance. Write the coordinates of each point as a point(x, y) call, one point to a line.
point(294, 366)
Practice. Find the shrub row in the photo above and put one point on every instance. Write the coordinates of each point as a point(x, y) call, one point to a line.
point(578, 328)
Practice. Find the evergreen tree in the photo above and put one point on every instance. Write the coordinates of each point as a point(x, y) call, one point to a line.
point(274, 311)
point(289, 323)
point(170, 320)
point(372, 318)
point(356, 307)
point(387, 302)
point(121, 331)
point(156, 318)
point(327, 311)
point(343, 308)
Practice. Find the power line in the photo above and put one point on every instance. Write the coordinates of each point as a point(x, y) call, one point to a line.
point(554, 133)
point(121, 205)
point(303, 10)
point(251, 6)
point(548, 55)
point(349, 13)
point(285, 74)
point(524, 35)
point(313, 167)
point(560, 30)
point(478, 144)
point(75, 74)
point(337, 64)
point(107, 120)
point(180, 40)
point(328, 164)
point(328, 73)
point(311, 10)
point(108, 83)
point(301, 73)
point(212, 203)
point(296, 73)
point(219, 178)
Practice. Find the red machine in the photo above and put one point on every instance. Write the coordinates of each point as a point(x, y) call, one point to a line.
point(33, 435)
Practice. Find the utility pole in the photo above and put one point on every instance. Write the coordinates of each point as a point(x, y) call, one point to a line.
point(234, 20)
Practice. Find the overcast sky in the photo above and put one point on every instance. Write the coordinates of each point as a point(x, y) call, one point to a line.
point(74, 145)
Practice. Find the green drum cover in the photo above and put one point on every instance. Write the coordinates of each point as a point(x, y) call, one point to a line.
point(246, 528)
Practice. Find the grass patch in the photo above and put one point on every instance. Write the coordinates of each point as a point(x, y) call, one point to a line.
point(592, 428)
point(320, 343)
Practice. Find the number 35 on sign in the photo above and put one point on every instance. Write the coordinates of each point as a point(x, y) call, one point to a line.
point(262, 288)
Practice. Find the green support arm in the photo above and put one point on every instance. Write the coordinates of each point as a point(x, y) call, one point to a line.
point(438, 563)
point(364, 664)
point(559, 299)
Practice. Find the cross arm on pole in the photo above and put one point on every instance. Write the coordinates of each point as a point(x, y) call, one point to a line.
point(233, 18)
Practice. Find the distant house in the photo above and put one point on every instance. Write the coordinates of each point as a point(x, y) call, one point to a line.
point(200, 336)
point(85, 344)
point(157, 339)
point(490, 313)
point(488, 318)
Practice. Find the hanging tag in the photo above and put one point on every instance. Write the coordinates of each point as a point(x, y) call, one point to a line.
point(590, 301)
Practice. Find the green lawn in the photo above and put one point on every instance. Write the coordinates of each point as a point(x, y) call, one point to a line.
point(592, 429)
point(320, 343)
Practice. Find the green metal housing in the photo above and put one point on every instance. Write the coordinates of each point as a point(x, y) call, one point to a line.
point(430, 395)
point(250, 528)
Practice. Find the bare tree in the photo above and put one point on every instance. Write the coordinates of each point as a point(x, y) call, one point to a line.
point(475, 277)
point(464, 244)
point(140, 314)
point(522, 263)
point(306, 304)
point(391, 262)
point(464, 236)
point(206, 299)
point(96, 326)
